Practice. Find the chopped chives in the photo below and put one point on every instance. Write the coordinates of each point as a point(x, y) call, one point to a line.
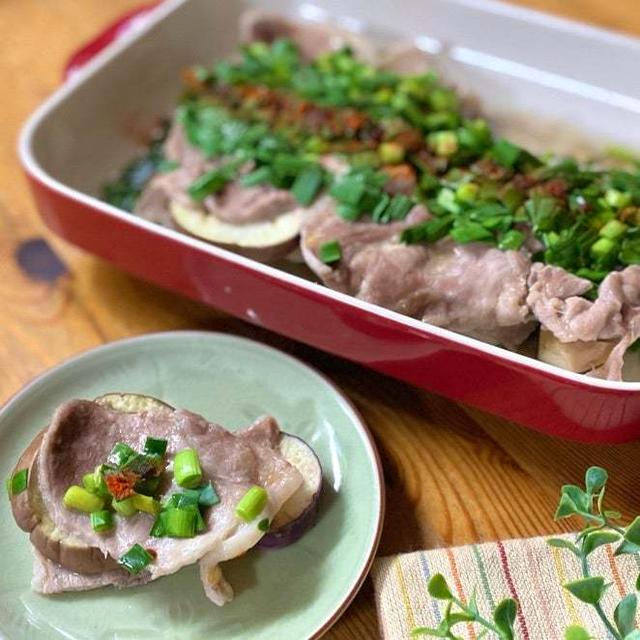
point(208, 496)
point(180, 523)
point(101, 521)
point(505, 153)
point(89, 482)
point(124, 508)
point(209, 183)
point(155, 446)
point(80, 499)
point(145, 503)
point(259, 176)
point(307, 184)
point(120, 454)
point(135, 560)
point(511, 240)
point(399, 207)
point(330, 252)
point(17, 482)
point(264, 525)
point(186, 468)
point(252, 503)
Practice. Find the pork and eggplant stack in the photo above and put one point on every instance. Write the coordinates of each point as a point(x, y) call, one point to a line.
point(126, 489)
point(400, 195)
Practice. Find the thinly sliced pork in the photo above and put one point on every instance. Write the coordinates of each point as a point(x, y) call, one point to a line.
point(82, 434)
point(555, 298)
point(474, 289)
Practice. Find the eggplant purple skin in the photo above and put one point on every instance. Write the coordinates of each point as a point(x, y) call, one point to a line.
point(294, 530)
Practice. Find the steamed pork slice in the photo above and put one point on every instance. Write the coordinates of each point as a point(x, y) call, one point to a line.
point(311, 39)
point(555, 298)
point(474, 289)
point(50, 578)
point(81, 436)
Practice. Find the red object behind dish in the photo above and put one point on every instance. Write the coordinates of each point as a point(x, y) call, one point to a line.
point(506, 384)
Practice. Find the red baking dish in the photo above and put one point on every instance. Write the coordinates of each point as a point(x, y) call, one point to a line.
point(86, 130)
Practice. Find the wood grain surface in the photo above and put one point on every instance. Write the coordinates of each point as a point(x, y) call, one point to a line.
point(454, 475)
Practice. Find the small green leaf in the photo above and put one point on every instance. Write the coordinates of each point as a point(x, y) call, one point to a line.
point(589, 590)
point(566, 507)
point(575, 632)
point(578, 497)
point(505, 615)
point(438, 588)
point(561, 543)
point(632, 533)
point(459, 616)
point(595, 478)
point(596, 539)
point(625, 614)
point(626, 548)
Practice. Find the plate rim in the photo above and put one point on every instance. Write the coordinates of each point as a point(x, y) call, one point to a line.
point(372, 451)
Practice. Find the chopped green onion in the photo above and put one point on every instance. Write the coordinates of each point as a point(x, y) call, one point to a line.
point(330, 252)
point(259, 176)
point(155, 446)
point(613, 229)
point(349, 189)
point(307, 184)
point(120, 454)
point(148, 486)
point(399, 207)
point(505, 153)
point(264, 525)
point(186, 468)
point(391, 153)
point(125, 508)
point(100, 486)
point(602, 247)
point(180, 523)
point(101, 521)
point(617, 199)
point(511, 240)
point(444, 143)
point(17, 482)
point(467, 192)
point(135, 560)
point(468, 231)
point(188, 498)
point(252, 503)
point(429, 231)
point(209, 183)
point(207, 496)
point(378, 213)
point(145, 503)
point(80, 499)
point(89, 482)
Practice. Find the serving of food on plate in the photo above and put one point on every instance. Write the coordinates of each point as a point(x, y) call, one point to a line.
point(126, 489)
point(313, 145)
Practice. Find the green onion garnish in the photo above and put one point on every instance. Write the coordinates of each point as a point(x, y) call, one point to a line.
point(89, 482)
point(264, 525)
point(399, 207)
point(145, 503)
point(505, 153)
point(307, 184)
point(330, 252)
point(259, 176)
point(252, 503)
point(80, 499)
point(101, 521)
point(120, 454)
point(209, 183)
point(135, 560)
point(124, 508)
point(186, 468)
point(208, 496)
point(17, 482)
point(180, 523)
point(155, 446)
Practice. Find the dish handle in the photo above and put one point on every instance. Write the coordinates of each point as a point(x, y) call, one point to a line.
point(129, 22)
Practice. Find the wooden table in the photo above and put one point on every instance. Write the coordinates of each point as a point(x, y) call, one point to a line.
point(454, 475)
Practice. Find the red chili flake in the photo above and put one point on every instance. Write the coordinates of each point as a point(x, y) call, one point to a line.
point(402, 179)
point(557, 187)
point(121, 485)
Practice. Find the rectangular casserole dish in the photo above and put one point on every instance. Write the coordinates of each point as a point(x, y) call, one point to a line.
point(512, 59)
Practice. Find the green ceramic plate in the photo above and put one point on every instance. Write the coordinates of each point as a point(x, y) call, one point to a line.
point(289, 594)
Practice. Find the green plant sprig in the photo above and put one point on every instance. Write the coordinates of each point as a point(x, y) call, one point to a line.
point(601, 527)
point(504, 614)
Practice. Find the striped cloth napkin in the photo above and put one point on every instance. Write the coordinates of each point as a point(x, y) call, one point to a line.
point(529, 570)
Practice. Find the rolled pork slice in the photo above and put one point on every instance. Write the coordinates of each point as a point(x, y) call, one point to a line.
point(556, 300)
point(81, 436)
point(474, 289)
